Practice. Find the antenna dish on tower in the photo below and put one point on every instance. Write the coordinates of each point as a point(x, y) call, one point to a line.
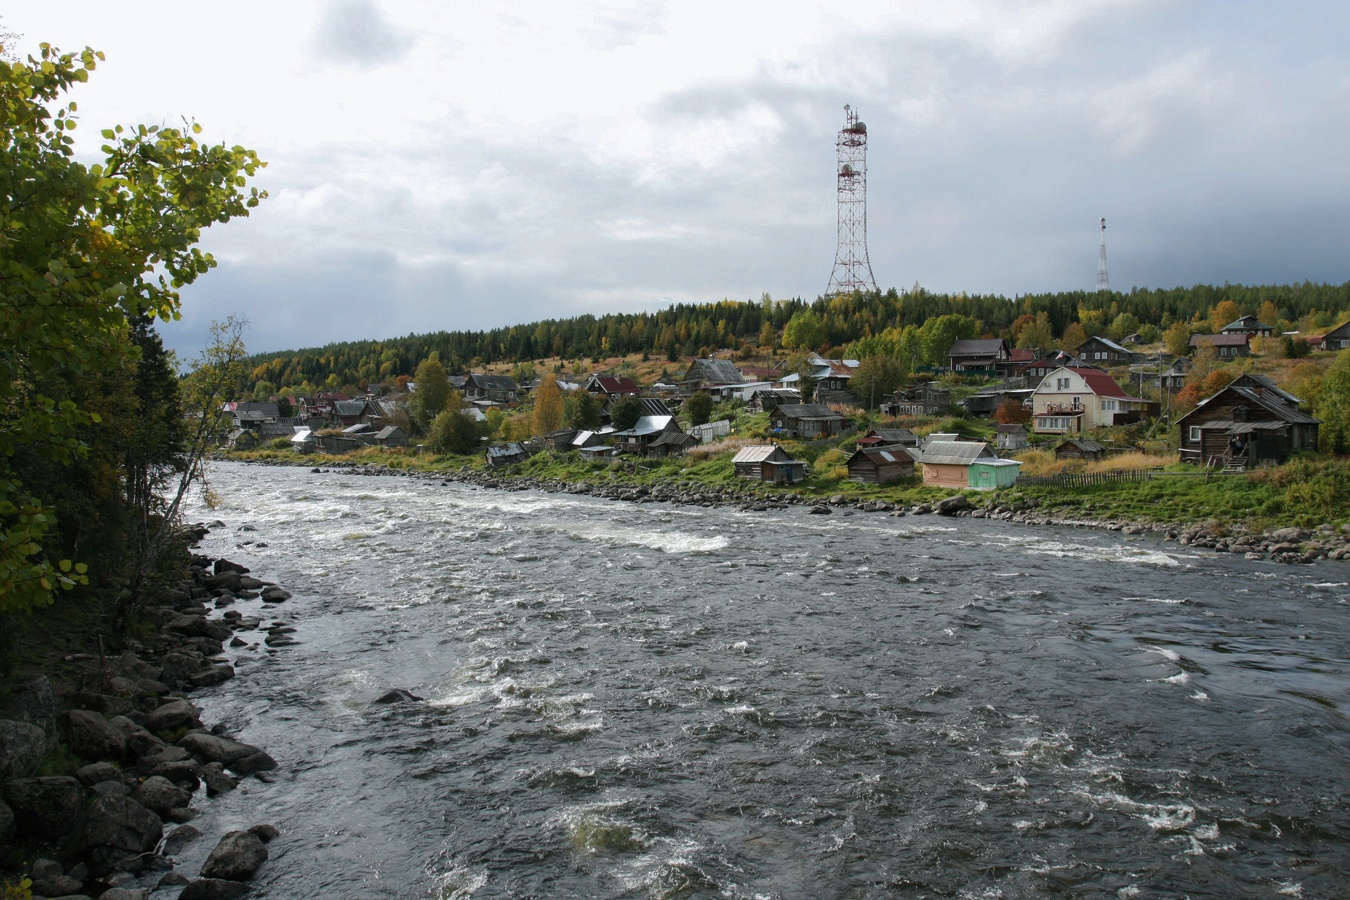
point(852, 270)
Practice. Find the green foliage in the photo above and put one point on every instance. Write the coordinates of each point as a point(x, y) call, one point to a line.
point(90, 250)
point(1333, 407)
point(624, 413)
point(805, 331)
point(432, 395)
point(698, 407)
point(453, 431)
point(581, 410)
point(876, 378)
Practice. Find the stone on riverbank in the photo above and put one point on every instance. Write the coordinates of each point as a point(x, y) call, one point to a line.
point(236, 858)
point(22, 746)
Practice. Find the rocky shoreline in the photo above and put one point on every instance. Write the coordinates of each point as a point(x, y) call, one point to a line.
point(140, 754)
point(1283, 545)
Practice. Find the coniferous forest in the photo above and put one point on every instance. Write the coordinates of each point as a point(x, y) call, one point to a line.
point(846, 321)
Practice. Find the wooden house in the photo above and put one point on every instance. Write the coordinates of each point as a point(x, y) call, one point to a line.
point(806, 421)
point(670, 443)
point(769, 463)
point(889, 437)
point(880, 465)
point(977, 354)
point(1011, 437)
point(705, 374)
point(947, 463)
point(1250, 422)
point(1227, 346)
point(612, 387)
point(391, 436)
point(492, 388)
point(1079, 448)
point(1103, 352)
point(766, 399)
point(1248, 325)
point(1337, 338)
point(927, 399)
point(505, 454)
point(1071, 400)
point(644, 433)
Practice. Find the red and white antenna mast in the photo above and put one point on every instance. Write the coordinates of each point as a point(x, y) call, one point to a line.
point(852, 270)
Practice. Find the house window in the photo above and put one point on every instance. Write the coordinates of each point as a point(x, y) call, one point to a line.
point(1061, 384)
point(1195, 434)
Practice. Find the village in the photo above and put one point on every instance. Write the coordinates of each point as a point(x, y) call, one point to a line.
point(968, 425)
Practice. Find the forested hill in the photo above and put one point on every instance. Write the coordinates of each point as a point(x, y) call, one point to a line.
point(687, 330)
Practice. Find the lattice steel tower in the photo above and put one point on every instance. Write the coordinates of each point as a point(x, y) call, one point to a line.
point(852, 271)
point(1103, 283)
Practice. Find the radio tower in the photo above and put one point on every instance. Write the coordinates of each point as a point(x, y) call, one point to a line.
point(1103, 283)
point(852, 272)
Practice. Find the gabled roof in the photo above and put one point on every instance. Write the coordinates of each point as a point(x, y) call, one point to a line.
point(1263, 383)
point(886, 455)
point(1098, 382)
point(486, 382)
point(977, 347)
point(1107, 342)
point(955, 453)
point(758, 453)
point(651, 406)
point(893, 435)
point(714, 371)
point(806, 411)
point(1220, 340)
point(387, 432)
point(1011, 429)
point(648, 425)
point(349, 407)
point(612, 384)
point(1272, 403)
point(1082, 444)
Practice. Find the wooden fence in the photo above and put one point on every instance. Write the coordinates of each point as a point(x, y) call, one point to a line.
point(1081, 479)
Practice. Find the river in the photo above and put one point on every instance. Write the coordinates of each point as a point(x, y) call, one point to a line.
point(645, 700)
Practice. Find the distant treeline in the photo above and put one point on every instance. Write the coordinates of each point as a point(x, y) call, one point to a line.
point(687, 330)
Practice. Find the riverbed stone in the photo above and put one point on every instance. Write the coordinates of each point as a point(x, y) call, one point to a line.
point(34, 701)
point(236, 858)
point(218, 781)
point(213, 889)
point(22, 746)
point(230, 753)
point(48, 808)
point(97, 772)
point(159, 794)
point(173, 715)
point(7, 827)
point(91, 736)
point(117, 834)
point(180, 837)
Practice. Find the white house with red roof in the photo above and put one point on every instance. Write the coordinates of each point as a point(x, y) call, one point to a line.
point(1072, 399)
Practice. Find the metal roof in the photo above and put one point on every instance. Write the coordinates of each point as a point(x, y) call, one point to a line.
point(955, 453)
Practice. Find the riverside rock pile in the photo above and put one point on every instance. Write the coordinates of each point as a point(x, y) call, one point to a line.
point(142, 755)
point(1284, 545)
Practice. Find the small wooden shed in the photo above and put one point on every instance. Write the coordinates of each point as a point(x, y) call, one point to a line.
point(990, 474)
point(768, 462)
point(1079, 448)
point(947, 463)
point(880, 465)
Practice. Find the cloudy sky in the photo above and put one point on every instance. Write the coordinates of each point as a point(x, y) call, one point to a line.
point(466, 165)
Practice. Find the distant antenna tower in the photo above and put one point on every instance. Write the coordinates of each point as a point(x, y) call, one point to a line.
point(852, 271)
point(1103, 283)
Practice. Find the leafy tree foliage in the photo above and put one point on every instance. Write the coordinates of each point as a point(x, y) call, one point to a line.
point(625, 412)
point(90, 251)
point(453, 430)
point(581, 410)
point(548, 405)
point(678, 331)
point(877, 377)
point(698, 407)
point(432, 394)
point(1333, 407)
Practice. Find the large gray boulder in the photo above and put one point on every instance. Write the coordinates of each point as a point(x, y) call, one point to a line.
point(22, 746)
point(171, 716)
point(161, 795)
point(950, 506)
point(93, 737)
point(236, 857)
point(118, 835)
point(33, 701)
point(46, 808)
point(244, 759)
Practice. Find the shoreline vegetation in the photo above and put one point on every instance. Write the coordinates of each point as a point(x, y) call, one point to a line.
point(1294, 513)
